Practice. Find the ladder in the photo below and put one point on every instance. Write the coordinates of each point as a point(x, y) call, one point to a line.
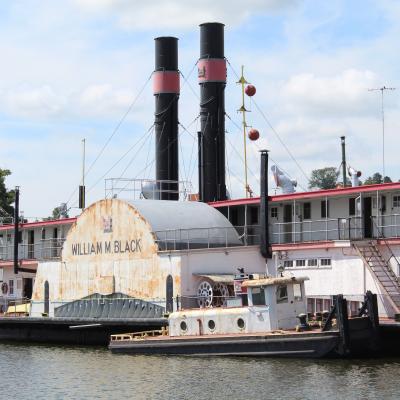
point(381, 270)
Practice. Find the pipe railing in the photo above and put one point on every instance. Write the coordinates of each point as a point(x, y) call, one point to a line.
point(45, 249)
point(134, 189)
point(388, 248)
point(317, 230)
point(196, 238)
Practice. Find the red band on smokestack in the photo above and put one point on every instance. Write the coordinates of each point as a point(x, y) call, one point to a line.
point(166, 82)
point(212, 70)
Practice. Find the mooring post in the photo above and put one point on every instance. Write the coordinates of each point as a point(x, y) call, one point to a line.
point(343, 323)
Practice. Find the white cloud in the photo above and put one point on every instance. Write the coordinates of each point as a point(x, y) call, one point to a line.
point(33, 102)
point(142, 15)
point(343, 94)
point(104, 99)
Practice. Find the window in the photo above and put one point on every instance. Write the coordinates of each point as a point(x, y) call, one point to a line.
point(1, 274)
point(300, 263)
point(318, 305)
point(211, 325)
point(258, 296)
point(325, 262)
point(396, 201)
point(274, 212)
point(234, 216)
point(11, 286)
point(297, 292)
point(43, 234)
point(281, 294)
point(324, 209)
point(313, 262)
point(307, 211)
point(253, 215)
point(327, 304)
point(352, 206)
point(288, 264)
point(183, 326)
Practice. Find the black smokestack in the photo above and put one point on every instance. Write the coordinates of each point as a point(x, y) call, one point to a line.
point(212, 80)
point(265, 246)
point(16, 230)
point(166, 92)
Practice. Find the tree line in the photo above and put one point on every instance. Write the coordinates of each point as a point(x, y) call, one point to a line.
point(327, 178)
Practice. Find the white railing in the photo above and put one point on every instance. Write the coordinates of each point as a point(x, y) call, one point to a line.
point(45, 249)
point(134, 189)
point(196, 238)
point(388, 225)
point(316, 230)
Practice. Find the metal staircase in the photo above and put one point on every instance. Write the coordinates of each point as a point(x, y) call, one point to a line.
point(381, 270)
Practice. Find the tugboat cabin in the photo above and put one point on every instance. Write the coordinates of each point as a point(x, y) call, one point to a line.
point(273, 303)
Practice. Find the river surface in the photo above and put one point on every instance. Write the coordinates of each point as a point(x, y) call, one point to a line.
point(59, 372)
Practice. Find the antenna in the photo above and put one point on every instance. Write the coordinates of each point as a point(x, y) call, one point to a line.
point(82, 190)
point(243, 110)
point(382, 89)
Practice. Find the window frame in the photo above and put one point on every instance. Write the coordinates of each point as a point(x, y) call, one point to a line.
point(11, 287)
point(282, 299)
point(307, 206)
point(300, 261)
point(324, 208)
point(259, 296)
point(321, 262)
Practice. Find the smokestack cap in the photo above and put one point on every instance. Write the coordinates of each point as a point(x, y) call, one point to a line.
point(212, 40)
point(166, 57)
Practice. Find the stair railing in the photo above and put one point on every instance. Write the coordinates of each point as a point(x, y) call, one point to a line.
point(382, 238)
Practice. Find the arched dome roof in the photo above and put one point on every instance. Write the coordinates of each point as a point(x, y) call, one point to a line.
point(182, 223)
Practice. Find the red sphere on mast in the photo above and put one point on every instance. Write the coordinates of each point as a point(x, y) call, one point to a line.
point(250, 90)
point(253, 134)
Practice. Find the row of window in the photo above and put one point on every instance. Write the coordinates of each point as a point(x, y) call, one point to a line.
point(31, 236)
point(317, 305)
point(258, 294)
point(306, 207)
point(311, 262)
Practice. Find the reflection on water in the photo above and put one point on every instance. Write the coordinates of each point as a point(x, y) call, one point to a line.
point(55, 372)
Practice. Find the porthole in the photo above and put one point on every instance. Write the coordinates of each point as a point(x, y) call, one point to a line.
point(211, 324)
point(183, 326)
point(240, 323)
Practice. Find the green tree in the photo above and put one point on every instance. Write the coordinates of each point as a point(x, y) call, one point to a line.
point(324, 178)
point(7, 197)
point(58, 212)
point(376, 178)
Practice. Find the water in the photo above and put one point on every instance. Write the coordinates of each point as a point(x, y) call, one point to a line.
point(55, 372)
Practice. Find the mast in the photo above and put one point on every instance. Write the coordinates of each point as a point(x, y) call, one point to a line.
point(242, 81)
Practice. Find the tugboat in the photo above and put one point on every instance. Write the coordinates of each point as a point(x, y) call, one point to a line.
point(273, 324)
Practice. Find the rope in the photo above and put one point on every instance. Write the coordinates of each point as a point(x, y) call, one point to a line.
point(273, 130)
point(115, 130)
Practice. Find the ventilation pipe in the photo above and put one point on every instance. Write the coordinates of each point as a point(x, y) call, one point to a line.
point(265, 246)
point(16, 230)
point(166, 90)
point(212, 80)
point(343, 142)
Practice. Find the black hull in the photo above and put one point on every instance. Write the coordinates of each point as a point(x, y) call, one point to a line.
point(74, 331)
point(304, 345)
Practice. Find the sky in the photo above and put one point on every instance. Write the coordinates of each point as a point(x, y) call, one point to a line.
point(82, 69)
